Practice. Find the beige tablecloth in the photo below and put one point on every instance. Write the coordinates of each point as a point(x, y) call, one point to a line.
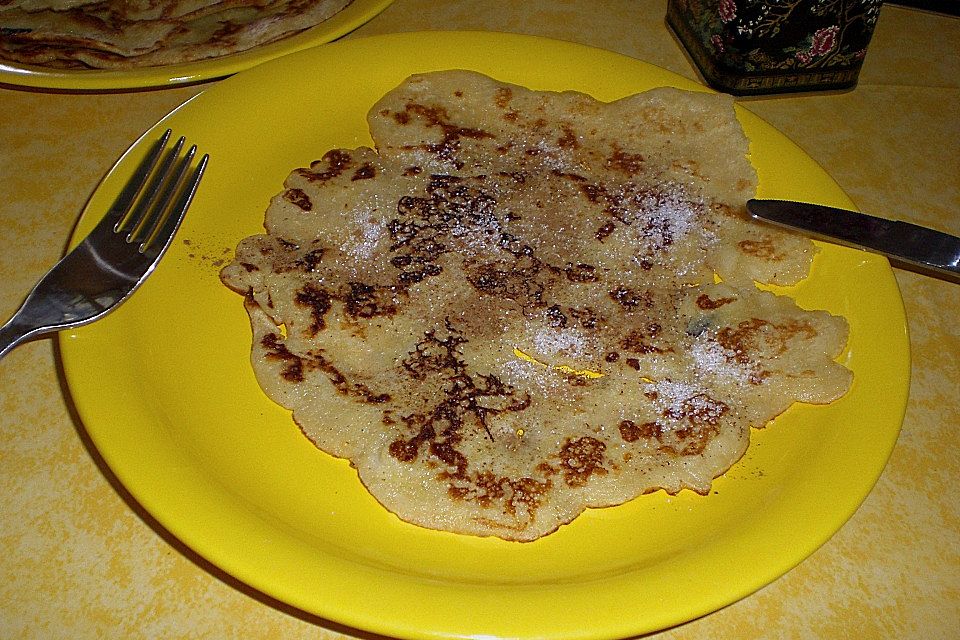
point(79, 559)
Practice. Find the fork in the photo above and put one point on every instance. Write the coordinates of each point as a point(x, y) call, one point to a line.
point(119, 254)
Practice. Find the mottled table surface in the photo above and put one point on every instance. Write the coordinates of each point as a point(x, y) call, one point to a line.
point(81, 560)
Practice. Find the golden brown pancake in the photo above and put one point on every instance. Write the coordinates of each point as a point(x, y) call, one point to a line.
point(141, 33)
point(508, 313)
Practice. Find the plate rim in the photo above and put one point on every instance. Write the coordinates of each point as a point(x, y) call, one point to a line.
point(357, 618)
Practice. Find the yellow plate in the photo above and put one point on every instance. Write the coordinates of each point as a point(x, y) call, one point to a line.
point(352, 16)
point(165, 389)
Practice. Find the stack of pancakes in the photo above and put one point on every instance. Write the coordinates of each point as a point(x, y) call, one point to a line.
point(127, 34)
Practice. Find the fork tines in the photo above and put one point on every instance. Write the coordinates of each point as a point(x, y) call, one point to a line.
point(153, 202)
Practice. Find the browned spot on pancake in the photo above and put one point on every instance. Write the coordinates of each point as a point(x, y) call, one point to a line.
point(765, 249)
point(518, 176)
point(738, 341)
point(631, 431)
point(691, 167)
point(627, 163)
point(418, 232)
point(440, 429)
point(704, 302)
point(364, 172)
point(555, 317)
point(586, 317)
point(741, 340)
point(368, 301)
point(292, 365)
point(333, 164)
point(569, 138)
point(318, 301)
point(594, 193)
point(299, 198)
point(573, 177)
point(359, 300)
point(580, 459)
point(605, 231)
point(725, 210)
point(471, 397)
point(512, 282)
point(295, 368)
point(445, 450)
point(630, 299)
point(311, 260)
point(581, 272)
point(487, 489)
point(639, 341)
point(698, 410)
point(445, 150)
point(355, 390)
point(527, 492)
point(702, 415)
point(407, 450)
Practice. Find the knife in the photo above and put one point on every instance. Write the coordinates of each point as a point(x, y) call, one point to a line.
point(929, 251)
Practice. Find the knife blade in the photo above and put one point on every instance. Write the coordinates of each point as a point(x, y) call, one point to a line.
point(926, 249)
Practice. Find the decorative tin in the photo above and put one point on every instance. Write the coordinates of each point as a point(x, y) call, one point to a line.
point(747, 47)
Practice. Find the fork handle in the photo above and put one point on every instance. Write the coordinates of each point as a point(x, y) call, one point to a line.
point(34, 318)
point(13, 333)
point(49, 308)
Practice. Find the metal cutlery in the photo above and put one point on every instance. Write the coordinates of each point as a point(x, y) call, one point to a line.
point(926, 250)
point(121, 251)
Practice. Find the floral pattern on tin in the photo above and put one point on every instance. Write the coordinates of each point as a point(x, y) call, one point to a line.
point(783, 35)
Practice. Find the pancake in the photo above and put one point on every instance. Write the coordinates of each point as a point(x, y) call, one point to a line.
point(509, 311)
point(138, 33)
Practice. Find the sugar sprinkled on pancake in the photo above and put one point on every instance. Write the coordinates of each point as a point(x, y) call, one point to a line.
point(508, 313)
